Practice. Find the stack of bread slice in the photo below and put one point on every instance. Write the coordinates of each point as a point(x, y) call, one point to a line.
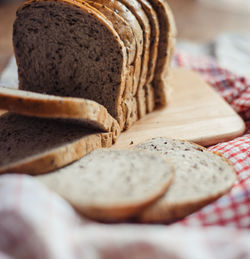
point(99, 65)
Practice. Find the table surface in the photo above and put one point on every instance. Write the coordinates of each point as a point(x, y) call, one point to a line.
point(195, 21)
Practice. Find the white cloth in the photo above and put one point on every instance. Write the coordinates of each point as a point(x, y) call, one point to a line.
point(9, 77)
point(36, 223)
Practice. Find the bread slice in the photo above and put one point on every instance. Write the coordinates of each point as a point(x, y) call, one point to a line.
point(35, 146)
point(154, 42)
point(130, 19)
point(66, 48)
point(121, 26)
point(165, 49)
point(201, 177)
point(49, 106)
point(126, 34)
point(127, 28)
point(135, 7)
point(154, 39)
point(111, 185)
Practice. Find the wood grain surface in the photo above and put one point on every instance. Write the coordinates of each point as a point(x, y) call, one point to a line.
point(195, 112)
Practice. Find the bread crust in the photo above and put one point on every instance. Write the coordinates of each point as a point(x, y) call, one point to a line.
point(46, 106)
point(136, 8)
point(165, 49)
point(173, 212)
point(154, 41)
point(150, 97)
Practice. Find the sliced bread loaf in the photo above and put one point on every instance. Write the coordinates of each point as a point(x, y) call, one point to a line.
point(34, 146)
point(112, 185)
point(66, 48)
point(48, 106)
point(201, 177)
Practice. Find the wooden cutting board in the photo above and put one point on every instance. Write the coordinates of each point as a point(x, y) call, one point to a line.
point(195, 112)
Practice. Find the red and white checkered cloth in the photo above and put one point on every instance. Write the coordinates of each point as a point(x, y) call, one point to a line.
point(234, 208)
point(35, 223)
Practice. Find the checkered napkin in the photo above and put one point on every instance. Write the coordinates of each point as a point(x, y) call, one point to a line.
point(233, 209)
point(35, 223)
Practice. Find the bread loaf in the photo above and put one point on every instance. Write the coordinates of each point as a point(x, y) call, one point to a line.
point(201, 177)
point(112, 185)
point(105, 51)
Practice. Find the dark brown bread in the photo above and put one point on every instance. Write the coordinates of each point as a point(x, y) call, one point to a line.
point(127, 14)
point(127, 27)
point(120, 25)
point(104, 52)
point(34, 146)
point(48, 106)
point(129, 92)
point(67, 49)
point(124, 29)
